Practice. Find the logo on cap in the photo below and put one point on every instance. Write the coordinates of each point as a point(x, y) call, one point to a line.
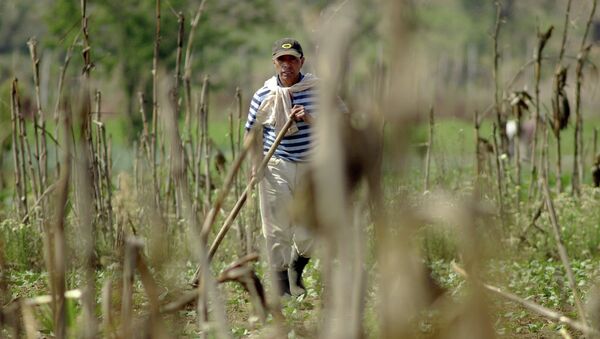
point(286, 45)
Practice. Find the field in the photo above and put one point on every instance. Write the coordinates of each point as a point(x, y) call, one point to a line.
point(128, 208)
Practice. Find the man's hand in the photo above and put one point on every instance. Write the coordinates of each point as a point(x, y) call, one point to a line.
point(299, 114)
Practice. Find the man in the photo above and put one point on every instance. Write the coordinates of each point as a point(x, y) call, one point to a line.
point(287, 94)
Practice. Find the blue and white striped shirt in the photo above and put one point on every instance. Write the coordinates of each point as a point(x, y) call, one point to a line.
point(296, 147)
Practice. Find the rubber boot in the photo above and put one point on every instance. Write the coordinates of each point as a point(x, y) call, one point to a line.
point(283, 283)
point(295, 275)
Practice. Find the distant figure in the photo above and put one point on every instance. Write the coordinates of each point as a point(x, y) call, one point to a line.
point(596, 171)
point(525, 134)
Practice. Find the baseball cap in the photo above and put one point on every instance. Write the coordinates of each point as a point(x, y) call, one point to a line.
point(287, 46)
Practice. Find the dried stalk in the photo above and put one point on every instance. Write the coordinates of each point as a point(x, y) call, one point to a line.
point(87, 190)
point(39, 120)
point(595, 143)
point(542, 40)
point(107, 322)
point(155, 182)
point(55, 242)
point(206, 142)
point(499, 177)
point(200, 145)
point(145, 131)
point(333, 209)
point(208, 289)
point(499, 116)
point(429, 150)
point(229, 180)
point(180, 33)
point(188, 67)
point(18, 160)
point(559, 83)
point(132, 247)
point(61, 80)
point(539, 309)
point(584, 50)
point(562, 251)
point(24, 146)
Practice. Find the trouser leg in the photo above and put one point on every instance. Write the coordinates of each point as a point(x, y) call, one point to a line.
point(275, 196)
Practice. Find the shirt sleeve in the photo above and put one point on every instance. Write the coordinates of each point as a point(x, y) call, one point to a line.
point(254, 105)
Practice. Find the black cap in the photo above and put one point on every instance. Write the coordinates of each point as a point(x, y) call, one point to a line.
point(287, 46)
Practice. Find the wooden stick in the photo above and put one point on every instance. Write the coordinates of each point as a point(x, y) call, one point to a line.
point(242, 199)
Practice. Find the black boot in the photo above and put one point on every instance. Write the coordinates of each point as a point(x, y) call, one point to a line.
point(295, 275)
point(283, 283)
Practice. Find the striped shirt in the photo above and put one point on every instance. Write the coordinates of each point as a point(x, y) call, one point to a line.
point(296, 147)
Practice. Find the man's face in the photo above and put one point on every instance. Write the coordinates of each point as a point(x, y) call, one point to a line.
point(288, 68)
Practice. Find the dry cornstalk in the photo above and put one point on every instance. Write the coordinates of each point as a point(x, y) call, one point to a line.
point(208, 290)
point(154, 135)
point(539, 309)
point(595, 143)
point(187, 75)
point(39, 120)
point(229, 180)
point(429, 149)
point(18, 160)
point(499, 177)
point(55, 240)
point(61, 81)
point(24, 146)
point(543, 38)
point(559, 83)
point(106, 306)
point(132, 247)
point(501, 120)
point(584, 50)
point(206, 142)
point(562, 251)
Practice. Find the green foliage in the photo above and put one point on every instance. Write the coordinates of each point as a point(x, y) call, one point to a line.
point(22, 244)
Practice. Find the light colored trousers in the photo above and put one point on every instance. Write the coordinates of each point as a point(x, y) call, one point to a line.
point(276, 193)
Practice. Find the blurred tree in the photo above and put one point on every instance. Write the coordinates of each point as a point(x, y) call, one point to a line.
point(122, 35)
